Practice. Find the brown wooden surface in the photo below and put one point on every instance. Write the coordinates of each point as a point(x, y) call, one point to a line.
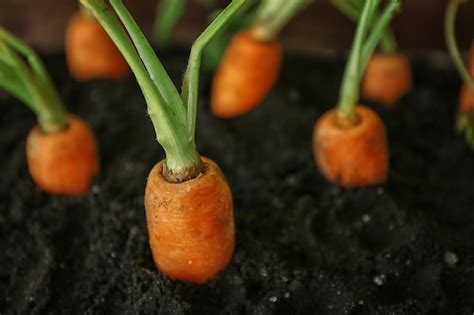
point(319, 29)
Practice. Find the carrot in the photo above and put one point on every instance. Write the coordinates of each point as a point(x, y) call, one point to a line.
point(388, 72)
point(188, 202)
point(350, 142)
point(63, 162)
point(465, 117)
point(90, 53)
point(387, 77)
point(200, 242)
point(248, 71)
point(252, 61)
point(61, 151)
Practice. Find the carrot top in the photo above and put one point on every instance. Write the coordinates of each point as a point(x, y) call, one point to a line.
point(450, 35)
point(173, 115)
point(273, 15)
point(353, 10)
point(465, 121)
point(370, 29)
point(23, 75)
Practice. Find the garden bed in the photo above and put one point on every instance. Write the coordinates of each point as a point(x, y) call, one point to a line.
point(303, 245)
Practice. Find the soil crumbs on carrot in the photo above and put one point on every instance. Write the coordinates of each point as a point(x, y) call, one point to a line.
point(303, 245)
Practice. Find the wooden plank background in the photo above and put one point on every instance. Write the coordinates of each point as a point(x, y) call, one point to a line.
point(319, 29)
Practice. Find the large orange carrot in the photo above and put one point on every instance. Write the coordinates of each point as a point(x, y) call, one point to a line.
point(350, 142)
point(191, 225)
point(90, 53)
point(61, 150)
point(187, 200)
point(65, 161)
point(387, 77)
point(465, 117)
point(351, 153)
point(252, 61)
point(388, 73)
point(248, 71)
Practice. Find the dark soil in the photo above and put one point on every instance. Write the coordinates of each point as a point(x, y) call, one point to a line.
point(303, 245)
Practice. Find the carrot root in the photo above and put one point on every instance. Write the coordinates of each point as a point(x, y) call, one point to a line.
point(246, 74)
point(387, 78)
point(354, 154)
point(190, 224)
point(63, 162)
point(90, 53)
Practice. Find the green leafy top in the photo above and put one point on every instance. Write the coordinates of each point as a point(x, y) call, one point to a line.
point(23, 75)
point(173, 115)
point(369, 32)
point(353, 10)
point(273, 15)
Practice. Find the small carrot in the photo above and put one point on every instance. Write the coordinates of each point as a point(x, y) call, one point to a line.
point(350, 142)
point(61, 150)
point(90, 53)
point(388, 73)
point(188, 202)
point(252, 61)
point(465, 119)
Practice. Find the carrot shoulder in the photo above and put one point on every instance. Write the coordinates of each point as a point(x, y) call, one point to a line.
point(90, 53)
point(246, 74)
point(387, 78)
point(349, 142)
point(63, 162)
point(190, 225)
point(352, 154)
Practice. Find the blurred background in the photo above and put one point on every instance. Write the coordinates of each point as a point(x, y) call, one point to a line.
point(319, 29)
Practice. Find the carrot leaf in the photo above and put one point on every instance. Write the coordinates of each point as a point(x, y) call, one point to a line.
point(168, 13)
point(190, 89)
point(24, 75)
point(450, 36)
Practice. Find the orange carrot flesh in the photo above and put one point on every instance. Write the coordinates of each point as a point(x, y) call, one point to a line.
point(248, 71)
point(63, 162)
point(351, 153)
point(387, 78)
point(191, 224)
point(90, 52)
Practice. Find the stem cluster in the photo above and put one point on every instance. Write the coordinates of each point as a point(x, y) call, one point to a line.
point(370, 29)
point(173, 115)
point(23, 75)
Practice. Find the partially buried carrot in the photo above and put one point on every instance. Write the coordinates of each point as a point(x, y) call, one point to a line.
point(350, 142)
point(465, 117)
point(90, 53)
point(251, 63)
point(188, 202)
point(388, 73)
point(61, 150)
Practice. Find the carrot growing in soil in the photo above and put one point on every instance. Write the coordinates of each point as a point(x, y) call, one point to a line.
point(388, 72)
point(61, 150)
point(251, 63)
point(90, 53)
point(350, 142)
point(465, 119)
point(187, 199)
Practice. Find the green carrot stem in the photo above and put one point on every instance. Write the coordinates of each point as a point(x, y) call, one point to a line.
point(353, 10)
point(165, 106)
point(378, 31)
point(153, 65)
point(190, 89)
point(450, 35)
point(349, 92)
point(273, 15)
point(168, 14)
point(32, 80)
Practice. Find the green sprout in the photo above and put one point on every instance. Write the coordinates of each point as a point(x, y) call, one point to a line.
point(23, 75)
point(173, 115)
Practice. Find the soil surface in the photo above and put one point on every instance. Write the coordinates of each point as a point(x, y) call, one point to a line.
point(303, 245)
